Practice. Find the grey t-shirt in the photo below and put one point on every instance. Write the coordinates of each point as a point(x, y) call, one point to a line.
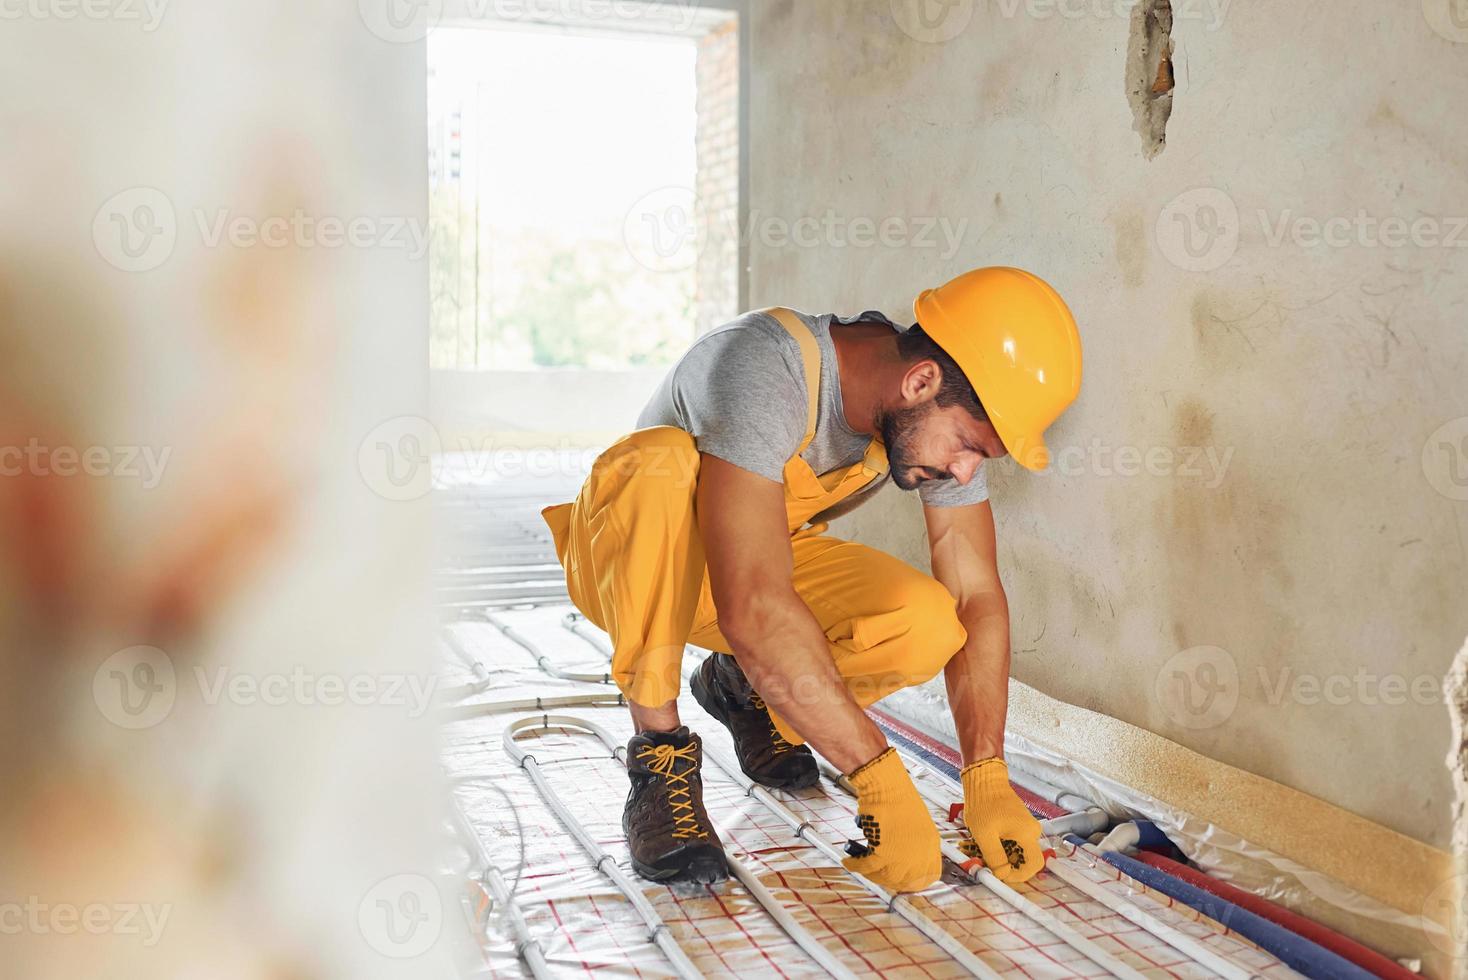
point(740, 392)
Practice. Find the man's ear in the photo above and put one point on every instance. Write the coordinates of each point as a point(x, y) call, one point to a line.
point(921, 382)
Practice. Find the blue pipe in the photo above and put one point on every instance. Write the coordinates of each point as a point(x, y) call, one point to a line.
point(1296, 952)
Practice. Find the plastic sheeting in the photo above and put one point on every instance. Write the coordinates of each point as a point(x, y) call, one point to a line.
point(1222, 854)
point(584, 925)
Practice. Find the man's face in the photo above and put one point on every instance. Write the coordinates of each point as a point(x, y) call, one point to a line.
point(925, 442)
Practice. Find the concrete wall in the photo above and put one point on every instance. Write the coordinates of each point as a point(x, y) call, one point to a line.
point(1255, 484)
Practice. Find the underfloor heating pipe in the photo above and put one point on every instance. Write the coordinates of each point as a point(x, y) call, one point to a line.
point(1178, 940)
point(541, 659)
point(489, 877)
point(462, 711)
point(1295, 951)
point(899, 904)
point(475, 665)
point(1362, 956)
point(578, 624)
point(766, 899)
point(1305, 928)
point(1359, 956)
point(982, 875)
point(1078, 817)
point(659, 933)
point(1087, 821)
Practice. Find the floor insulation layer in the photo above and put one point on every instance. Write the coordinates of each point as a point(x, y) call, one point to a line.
point(583, 925)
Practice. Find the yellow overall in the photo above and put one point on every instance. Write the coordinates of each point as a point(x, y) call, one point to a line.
point(634, 565)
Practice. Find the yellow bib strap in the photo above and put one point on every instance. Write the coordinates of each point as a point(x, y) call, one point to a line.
point(810, 356)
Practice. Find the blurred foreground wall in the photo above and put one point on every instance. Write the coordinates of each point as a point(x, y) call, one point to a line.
point(213, 666)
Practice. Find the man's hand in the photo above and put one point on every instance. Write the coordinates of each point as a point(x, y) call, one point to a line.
point(902, 852)
point(1007, 836)
point(771, 631)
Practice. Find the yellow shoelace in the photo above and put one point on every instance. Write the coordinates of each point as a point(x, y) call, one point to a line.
point(780, 744)
point(663, 758)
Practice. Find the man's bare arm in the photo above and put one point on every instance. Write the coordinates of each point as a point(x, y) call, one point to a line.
point(775, 637)
point(963, 548)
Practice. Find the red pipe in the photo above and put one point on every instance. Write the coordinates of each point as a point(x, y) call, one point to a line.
point(1038, 805)
point(1367, 959)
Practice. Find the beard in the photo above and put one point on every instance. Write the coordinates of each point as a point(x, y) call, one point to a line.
point(899, 430)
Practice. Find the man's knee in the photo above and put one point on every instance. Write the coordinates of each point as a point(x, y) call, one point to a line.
point(934, 632)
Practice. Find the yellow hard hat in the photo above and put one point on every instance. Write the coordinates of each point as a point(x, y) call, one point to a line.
point(1017, 343)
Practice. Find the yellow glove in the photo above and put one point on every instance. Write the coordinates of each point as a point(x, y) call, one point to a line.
point(903, 852)
point(1008, 837)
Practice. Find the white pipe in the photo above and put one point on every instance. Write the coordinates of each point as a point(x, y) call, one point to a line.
point(1055, 827)
point(541, 659)
point(526, 946)
point(1042, 917)
point(898, 903)
point(1051, 793)
point(601, 860)
point(1013, 898)
point(1178, 940)
point(460, 712)
point(1123, 837)
point(481, 674)
point(1084, 823)
point(576, 623)
point(823, 957)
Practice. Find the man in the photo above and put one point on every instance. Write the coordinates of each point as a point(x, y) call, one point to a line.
point(705, 526)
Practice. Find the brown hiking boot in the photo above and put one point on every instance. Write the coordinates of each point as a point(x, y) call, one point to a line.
point(668, 830)
point(764, 755)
